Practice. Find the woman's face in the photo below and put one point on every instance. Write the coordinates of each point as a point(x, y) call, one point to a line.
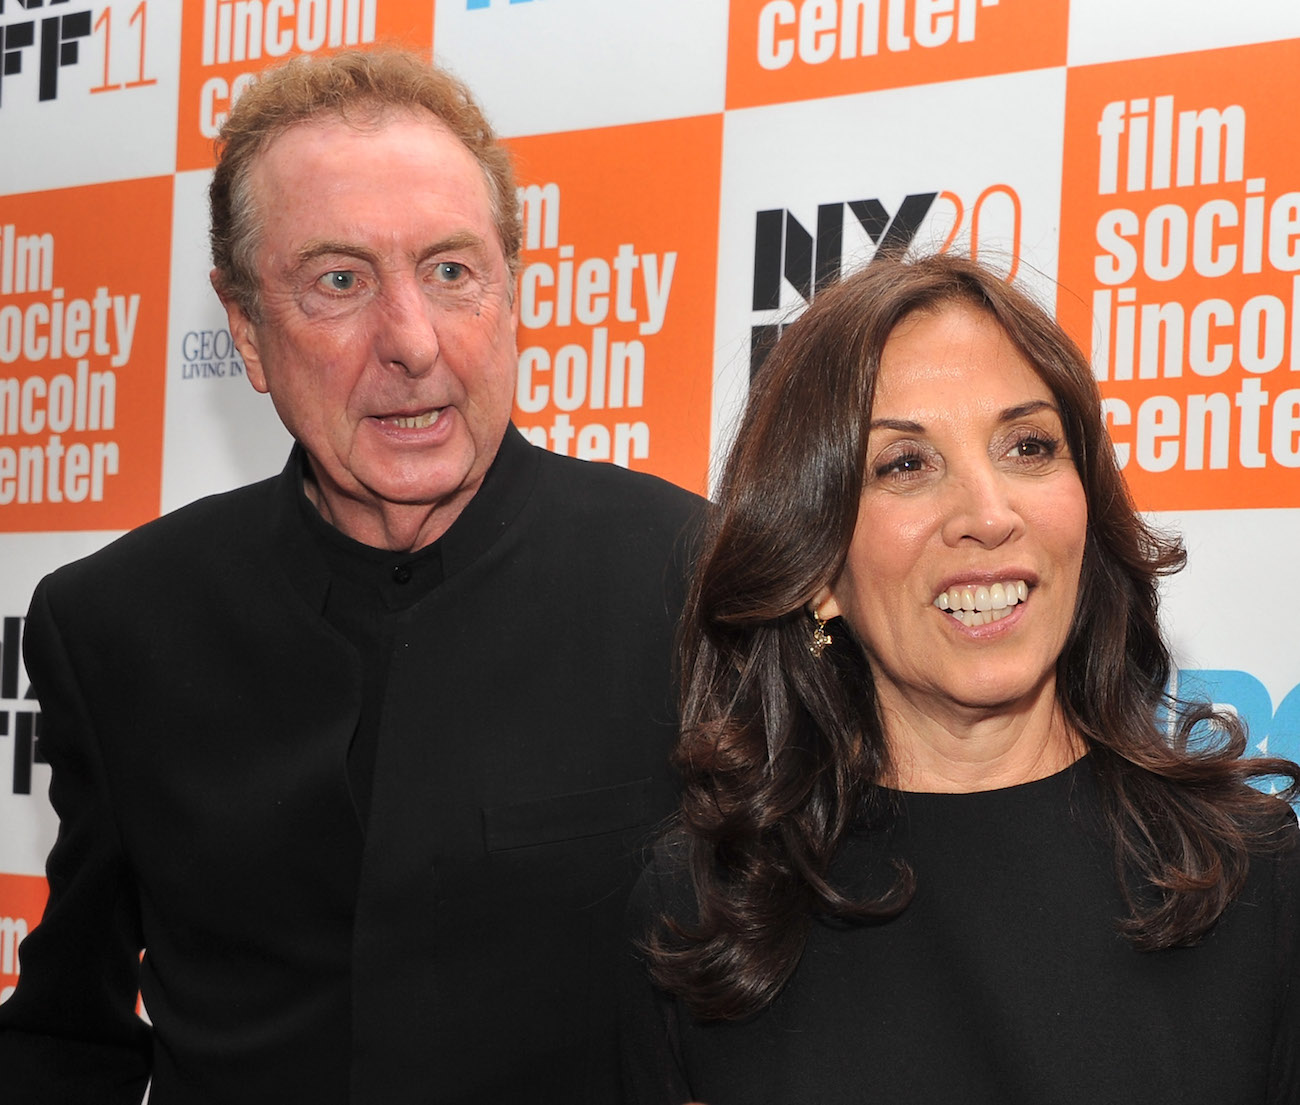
point(964, 566)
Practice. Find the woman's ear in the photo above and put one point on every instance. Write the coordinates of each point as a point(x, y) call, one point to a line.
point(823, 605)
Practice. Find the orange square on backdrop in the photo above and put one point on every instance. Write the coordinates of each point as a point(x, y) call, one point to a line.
point(617, 293)
point(1180, 269)
point(225, 44)
point(22, 901)
point(781, 50)
point(83, 332)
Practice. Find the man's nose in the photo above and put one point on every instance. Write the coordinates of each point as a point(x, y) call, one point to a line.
point(407, 337)
point(981, 507)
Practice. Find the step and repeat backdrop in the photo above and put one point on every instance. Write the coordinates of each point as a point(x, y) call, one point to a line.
point(692, 171)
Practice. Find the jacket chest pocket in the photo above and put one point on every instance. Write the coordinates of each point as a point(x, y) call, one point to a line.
point(573, 816)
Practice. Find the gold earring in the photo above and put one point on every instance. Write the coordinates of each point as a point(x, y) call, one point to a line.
point(820, 638)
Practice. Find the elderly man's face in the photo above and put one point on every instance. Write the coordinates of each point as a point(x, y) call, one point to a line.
point(387, 331)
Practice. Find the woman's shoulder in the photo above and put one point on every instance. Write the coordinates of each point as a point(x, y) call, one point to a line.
point(1271, 894)
point(1286, 859)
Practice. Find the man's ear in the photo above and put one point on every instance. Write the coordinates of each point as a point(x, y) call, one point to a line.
point(824, 604)
point(243, 332)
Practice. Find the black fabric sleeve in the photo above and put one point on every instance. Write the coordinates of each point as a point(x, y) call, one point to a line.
point(649, 1040)
point(69, 1034)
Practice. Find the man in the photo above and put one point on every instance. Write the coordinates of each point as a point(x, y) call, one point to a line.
point(361, 757)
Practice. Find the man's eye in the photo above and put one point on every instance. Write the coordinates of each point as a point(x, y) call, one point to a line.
point(449, 272)
point(342, 280)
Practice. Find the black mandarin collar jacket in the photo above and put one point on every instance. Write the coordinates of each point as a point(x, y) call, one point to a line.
point(197, 711)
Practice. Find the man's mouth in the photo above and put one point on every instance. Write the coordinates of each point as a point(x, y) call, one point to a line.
point(413, 421)
point(979, 605)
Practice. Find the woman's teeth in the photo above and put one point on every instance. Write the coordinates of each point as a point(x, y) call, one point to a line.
point(980, 605)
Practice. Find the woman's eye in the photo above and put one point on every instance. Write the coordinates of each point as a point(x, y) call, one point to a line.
point(1033, 446)
point(341, 280)
point(903, 465)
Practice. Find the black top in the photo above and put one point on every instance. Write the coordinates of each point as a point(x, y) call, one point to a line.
point(1004, 981)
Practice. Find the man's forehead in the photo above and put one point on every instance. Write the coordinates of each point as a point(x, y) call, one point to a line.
point(357, 122)
point(316, 181)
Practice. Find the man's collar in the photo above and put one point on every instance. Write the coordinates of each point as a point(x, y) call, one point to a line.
point(506, 487)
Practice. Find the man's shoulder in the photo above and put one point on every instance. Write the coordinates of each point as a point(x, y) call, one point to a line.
point(225, 525)
point(601, 488)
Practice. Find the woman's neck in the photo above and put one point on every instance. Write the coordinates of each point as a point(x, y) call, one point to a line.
point(958, 750)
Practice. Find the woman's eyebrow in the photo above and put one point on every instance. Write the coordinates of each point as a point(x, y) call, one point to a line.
point(1033, 406)
point(900, 424)
point(1010, 414)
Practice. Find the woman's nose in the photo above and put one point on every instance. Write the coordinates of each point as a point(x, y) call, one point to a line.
point(981, 508)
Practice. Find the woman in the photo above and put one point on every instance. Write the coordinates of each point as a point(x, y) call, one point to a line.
point(943, 838)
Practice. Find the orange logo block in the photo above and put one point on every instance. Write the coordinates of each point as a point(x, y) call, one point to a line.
point(1180, 270)
point(616, 293)
point(22, 901)
point(780, 50)
point(226, 43)
point(83, 330)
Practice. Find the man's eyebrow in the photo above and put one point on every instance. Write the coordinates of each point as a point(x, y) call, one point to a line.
point(1010, 414)
point(325, 247)
point(462, 240)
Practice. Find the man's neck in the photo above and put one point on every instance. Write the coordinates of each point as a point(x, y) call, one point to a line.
point(401, 527)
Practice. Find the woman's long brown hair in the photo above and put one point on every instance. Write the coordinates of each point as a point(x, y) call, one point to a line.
point(779, 748)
